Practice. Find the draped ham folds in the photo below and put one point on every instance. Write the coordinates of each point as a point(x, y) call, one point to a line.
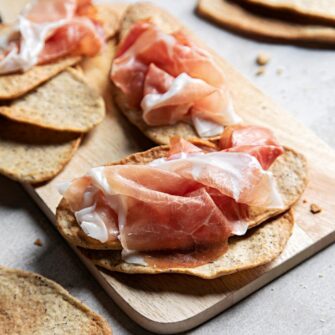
point(171, 79)
point(194, 198)
point(47, 30)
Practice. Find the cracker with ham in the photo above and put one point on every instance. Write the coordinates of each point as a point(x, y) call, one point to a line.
point(259, 246)
point(33, 304)
point(185, 94)
point(234, 16)
point(64, 103)
point(32, 154)
point(289, 170)
point(13, 85)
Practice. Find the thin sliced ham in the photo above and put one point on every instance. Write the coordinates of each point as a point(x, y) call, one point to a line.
point(47, 30)
point(192, 199)
point(172, 79)
point(257, 141)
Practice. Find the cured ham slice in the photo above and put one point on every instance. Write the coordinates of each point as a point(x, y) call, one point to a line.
point(257, 141)
point(193, 199)
point(171, 79)
point(47, 30)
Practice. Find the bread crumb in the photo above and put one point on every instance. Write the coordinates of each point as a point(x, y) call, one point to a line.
point(262, 58)
point(315, 209)
point(38, 242)
point(304, 201)
point(260, 71)
point(280, 71)
point(320, 275)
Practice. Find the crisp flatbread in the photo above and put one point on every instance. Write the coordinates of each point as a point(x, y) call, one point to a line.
point(32, 154)
point(259, 246)
point(235, 17)
point(65, 103)
point(33, 305)
point(17, 84)
point(322, 11)
point(290, 172)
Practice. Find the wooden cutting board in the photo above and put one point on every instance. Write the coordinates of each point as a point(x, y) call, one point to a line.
point(175, 303)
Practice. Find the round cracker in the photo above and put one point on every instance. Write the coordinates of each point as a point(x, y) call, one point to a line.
point(235, 17)
point(64, 103)
point(32, 304)
point(259, 246)
point(289, 170)
point(31, 154)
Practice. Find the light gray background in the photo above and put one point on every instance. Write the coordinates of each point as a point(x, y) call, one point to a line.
point(300, 302)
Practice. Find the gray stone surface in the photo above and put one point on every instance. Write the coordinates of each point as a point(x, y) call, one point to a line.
point(300, 302)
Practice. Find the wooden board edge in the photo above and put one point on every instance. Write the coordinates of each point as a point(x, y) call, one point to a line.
point(198, 319)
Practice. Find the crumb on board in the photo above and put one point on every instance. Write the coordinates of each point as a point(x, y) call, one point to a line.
point(260, 71)
point(262, 58)
point(315, 209)
point(304, 201)
point(38, 242)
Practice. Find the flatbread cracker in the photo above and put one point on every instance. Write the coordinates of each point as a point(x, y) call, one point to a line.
point(319, 11)
point(65, 103)
point(18, 84)
point(259, 246)
point(31, 154)
point(235, 17)
point(33, 305)
point(290, 172)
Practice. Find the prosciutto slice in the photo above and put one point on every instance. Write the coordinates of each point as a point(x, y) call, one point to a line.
point(193, 198)
point(47, 30)
point(172, 79)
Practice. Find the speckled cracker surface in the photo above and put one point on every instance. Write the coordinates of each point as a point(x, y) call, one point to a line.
point(289, 170)
point(32, 154)
point(33, 305)
point(260, 246)
point(239, 19)
point(66, 103)
point(18, 84)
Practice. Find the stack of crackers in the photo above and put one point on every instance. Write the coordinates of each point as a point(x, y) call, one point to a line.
point(45, 112)
point(304, 22)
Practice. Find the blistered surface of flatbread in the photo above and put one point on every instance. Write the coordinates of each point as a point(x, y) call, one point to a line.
point(290, 172)
point(260, 246)
point(66, 103)
point(32, 154)
point(33, 305)
point(237, 18)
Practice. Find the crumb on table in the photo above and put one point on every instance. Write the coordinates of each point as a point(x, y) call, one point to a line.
point(38, 242)
point(315, 209)
point(260, 71)
point(262, 58)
